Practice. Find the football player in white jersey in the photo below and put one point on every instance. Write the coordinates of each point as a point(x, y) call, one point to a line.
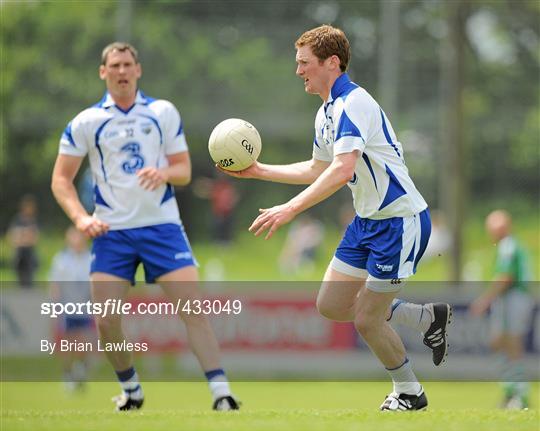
point(137, 153)
point(355, 145)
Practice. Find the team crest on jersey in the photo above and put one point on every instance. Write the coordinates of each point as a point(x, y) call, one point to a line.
point(146, 128)
point(328, 131)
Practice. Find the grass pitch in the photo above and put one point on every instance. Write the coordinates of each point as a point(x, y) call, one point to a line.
point(273, 406)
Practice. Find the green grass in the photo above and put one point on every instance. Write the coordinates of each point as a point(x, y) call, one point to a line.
point(266, 406)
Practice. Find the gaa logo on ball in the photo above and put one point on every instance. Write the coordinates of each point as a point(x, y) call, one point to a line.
point(234, 144)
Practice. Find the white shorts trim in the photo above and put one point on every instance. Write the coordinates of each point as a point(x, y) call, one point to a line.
point(412, 231)
point(384, 286)
point(340, 266)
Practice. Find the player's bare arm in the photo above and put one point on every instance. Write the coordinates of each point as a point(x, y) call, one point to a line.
point(178, 172)
point(305, 172)
point(65, 170)
point(339, 172)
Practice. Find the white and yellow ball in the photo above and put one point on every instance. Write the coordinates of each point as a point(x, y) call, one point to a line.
point(234, 144)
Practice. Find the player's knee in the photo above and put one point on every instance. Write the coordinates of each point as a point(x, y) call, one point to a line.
point(325, 311)
point(365, 323)
point(332, 312)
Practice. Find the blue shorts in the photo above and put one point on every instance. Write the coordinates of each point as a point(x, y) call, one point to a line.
point(387, 249)
point(161, 249)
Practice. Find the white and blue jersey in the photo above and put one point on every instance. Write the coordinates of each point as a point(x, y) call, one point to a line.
point(352, 120)
point(390, 232)
point(118, 144)
point(145, 226)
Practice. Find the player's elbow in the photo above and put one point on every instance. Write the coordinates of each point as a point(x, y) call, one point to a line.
point(343, 174)
point(57, 185)
point(347, 176)
point(182, 180)
point(185, 180)
point(186, 177)
point(181, 175)
point(343, 170)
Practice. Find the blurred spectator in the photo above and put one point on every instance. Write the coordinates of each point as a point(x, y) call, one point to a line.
point(223, 199)
point(441, 238)
point(70, 282)
point(23, 235)
point(511, 308)
point(304, 237)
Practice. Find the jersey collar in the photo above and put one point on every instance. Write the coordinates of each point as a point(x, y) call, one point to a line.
point(341, 85)
point(107, 100)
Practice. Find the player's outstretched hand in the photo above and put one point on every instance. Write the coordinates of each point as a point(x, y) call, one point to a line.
point(271, 219)
point(151, 178)
point(92, 226)
point(251, 172)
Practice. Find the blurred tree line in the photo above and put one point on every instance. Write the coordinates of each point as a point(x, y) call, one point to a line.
point(222, 59)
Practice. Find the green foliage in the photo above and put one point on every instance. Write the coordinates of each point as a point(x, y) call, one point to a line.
point(49, 64)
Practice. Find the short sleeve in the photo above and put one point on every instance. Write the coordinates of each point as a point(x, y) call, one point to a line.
point(74, 140)
point(173, 133)
point(318, 152)
point(352, 128)
point(505, 257)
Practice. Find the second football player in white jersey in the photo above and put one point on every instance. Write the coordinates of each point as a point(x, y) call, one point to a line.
point(137, 152)
point(355, 145)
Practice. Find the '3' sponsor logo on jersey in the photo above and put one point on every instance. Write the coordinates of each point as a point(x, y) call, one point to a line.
point(135, 161)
